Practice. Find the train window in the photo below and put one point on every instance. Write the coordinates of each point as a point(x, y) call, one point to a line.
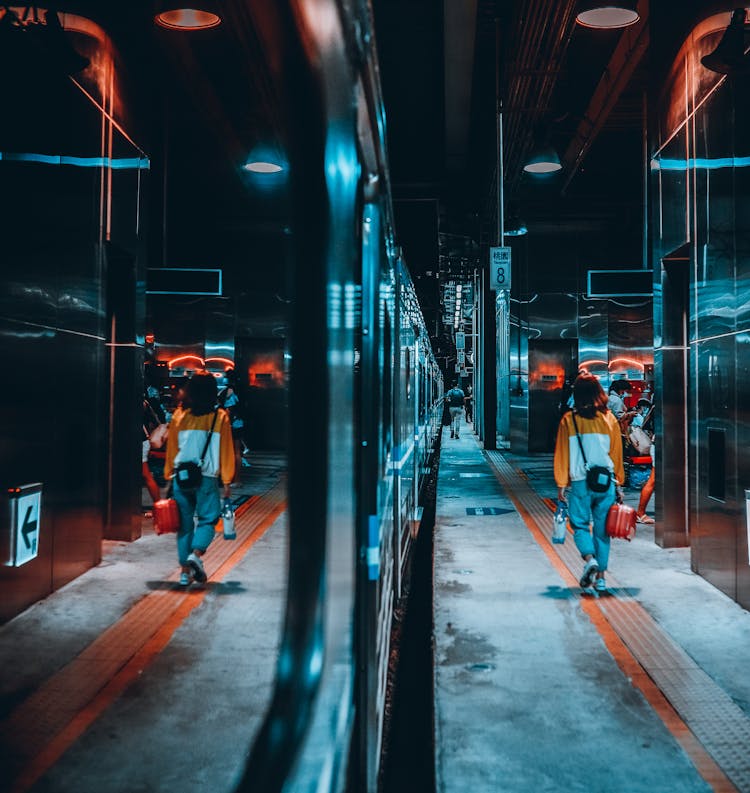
point(407, 367)
point(387, 417)
point(717, 464)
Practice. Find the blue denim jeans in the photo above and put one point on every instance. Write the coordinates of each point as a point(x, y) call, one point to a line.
point(456, 419)
point(583, 507)
point(203, 503)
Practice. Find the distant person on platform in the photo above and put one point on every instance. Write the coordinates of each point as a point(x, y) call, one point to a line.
point(469, 403)
point(588, 436)
point(455, 399)
point(229, 400)
point(153, 418)
point(199, 432)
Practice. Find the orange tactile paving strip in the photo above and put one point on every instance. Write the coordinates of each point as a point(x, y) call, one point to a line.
point(42, 727)
point(712, 729)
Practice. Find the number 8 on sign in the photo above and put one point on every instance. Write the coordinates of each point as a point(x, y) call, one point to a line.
point(500, 268)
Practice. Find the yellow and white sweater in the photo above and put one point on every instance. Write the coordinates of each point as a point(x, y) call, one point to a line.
point(602, 443)
point(187, 437)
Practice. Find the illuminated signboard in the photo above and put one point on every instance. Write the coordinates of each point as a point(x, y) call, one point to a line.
point(25, 504)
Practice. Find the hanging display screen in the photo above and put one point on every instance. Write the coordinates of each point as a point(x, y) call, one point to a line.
point(182, 281)
point(620, 283)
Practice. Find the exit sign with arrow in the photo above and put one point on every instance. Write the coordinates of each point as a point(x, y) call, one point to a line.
point(25, 520)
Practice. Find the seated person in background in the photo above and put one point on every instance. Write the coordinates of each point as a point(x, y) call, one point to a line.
point(642, 416)
point(639, 432)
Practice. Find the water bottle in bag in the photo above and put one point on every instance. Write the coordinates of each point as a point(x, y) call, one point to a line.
point(560, 525)
point(227, 519)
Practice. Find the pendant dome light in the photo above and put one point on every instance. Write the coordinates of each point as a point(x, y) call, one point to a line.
point(175, 16)
point(607, 14)
point(729, 56)
point(543, 159)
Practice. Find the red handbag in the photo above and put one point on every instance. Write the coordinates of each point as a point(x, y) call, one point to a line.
point(166, 516)
point(621, 520)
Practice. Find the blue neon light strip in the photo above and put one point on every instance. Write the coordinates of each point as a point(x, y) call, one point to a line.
point(373, 547)
point(116, 163)
point(703, 163)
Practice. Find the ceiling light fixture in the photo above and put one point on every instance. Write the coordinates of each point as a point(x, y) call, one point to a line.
point(543, 160)
point(729, 55)
point(173, 17)
point(515, 227)
point(603, 15)
point(261, 166)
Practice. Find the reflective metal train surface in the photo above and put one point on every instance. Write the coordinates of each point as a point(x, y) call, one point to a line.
point(365, 409)
point(254, 149)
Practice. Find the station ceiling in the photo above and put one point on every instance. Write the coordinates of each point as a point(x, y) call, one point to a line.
point(590, 93)
point(201, 102)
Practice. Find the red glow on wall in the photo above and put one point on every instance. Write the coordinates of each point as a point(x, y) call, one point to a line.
point(265, 371)
point(547, 376)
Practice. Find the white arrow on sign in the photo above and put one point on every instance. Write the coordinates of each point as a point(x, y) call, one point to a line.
point(26, 513)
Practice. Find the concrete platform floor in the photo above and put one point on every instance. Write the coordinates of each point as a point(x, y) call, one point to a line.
point(535, 689)
point(175, 683)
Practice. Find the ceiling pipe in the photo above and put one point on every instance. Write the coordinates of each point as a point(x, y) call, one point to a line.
point(548, 29)
point(631, 48)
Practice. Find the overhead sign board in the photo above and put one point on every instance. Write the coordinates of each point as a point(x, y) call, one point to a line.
point(500, 268)
point(461, 357)
point(183, 281)
point(460, 340)
point(620, 283)
point(25, 521)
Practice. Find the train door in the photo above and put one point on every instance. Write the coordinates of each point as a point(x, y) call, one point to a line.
point(672, 403)
point(551, 361)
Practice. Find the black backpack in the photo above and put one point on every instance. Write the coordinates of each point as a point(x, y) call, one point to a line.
point(456, 397)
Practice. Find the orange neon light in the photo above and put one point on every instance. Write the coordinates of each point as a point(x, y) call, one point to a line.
point(189, 357)
point(221, 360)
point(181, 358)
point(629, 361)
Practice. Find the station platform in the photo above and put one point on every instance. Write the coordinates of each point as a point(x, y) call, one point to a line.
point(540, 686)
point(121, 680)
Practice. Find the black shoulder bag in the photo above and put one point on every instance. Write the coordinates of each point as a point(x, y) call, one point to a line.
point(598, 477)
point(190, 474)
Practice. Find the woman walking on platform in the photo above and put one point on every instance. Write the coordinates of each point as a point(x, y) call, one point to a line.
point(588, 460)
point(200, 437)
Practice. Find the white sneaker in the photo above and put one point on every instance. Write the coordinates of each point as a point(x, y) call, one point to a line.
point(590, 569)
point(198, 572)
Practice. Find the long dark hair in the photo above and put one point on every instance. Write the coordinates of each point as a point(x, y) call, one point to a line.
point(589, 396)
point(200, 394)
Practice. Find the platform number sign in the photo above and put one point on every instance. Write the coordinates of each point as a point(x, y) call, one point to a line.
point(25, 504)
point(500, 268)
